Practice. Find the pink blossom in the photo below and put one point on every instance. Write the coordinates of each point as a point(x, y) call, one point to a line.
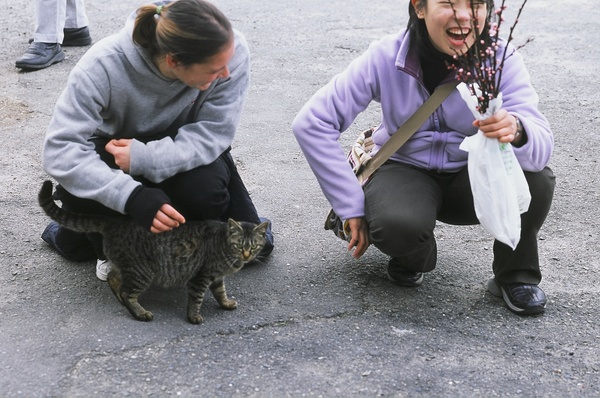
point(482, 66)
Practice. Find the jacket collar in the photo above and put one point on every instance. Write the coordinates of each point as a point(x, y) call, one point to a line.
point(408, 60)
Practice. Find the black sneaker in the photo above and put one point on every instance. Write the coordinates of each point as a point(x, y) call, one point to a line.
point(77, 37)
point(40, 55)
point(402, 277)
point(521, 298)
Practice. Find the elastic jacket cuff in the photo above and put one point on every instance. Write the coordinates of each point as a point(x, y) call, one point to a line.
point(144, 203)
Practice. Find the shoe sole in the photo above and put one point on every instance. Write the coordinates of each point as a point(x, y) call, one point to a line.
point(57, 58)
point(499, 292)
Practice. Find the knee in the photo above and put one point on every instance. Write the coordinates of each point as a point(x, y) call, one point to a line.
point(541, 186)
point(210, 201)
point(400, 235)
point(199, 195)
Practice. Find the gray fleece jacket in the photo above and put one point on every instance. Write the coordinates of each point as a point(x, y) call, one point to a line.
point(115, 91)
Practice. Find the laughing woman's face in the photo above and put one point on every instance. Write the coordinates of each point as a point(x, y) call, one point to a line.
point(450, 22)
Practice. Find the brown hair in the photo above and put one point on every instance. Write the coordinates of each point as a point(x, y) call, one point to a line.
point(189, 30)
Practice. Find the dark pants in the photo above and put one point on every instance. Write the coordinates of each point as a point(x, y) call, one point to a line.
point(403, 203)
point(211, 192)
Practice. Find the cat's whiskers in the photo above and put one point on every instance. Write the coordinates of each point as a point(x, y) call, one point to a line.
point(231, 261)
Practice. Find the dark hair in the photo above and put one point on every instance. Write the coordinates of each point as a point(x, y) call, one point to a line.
point(418, 30)
point(189, 30)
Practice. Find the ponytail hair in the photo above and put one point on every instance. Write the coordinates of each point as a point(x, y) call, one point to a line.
point(191, 31)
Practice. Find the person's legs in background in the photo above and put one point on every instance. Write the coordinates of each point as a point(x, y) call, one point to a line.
point(76, 31)
point(57, 23)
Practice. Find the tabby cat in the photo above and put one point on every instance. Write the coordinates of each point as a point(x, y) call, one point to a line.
point(196, 254)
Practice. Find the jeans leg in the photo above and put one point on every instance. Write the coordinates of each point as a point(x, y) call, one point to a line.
point(200, 193)
point(401, 204)
point(241, 207)
point(212, 192)
point(522, 264)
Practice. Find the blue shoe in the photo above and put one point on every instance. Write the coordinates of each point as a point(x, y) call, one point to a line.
point(77, 247)
point(521, 298)
point(270, 245)
point(49, 235)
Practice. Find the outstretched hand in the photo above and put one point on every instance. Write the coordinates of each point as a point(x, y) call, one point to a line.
point(166, 219)
point(359, 236)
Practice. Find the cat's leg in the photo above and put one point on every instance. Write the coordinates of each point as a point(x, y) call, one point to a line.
point(218, 290)
point(130, 301)
point(114, 281)
point(128, 292)
point(197, 287)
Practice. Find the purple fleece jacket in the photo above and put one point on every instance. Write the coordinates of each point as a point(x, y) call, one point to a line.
point(389, 72)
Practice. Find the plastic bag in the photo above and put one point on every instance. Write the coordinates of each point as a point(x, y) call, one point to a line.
point(500, 190)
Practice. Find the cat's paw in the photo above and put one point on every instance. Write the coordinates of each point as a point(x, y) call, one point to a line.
point(229, 304)
point(145, 316)
point(195, 319)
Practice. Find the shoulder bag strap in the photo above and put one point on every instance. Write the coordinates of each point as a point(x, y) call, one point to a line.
point(405, 131)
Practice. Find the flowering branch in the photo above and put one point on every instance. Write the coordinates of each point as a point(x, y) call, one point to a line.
point(479, 68)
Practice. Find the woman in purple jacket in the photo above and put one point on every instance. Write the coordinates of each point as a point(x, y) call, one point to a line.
point(427, 179)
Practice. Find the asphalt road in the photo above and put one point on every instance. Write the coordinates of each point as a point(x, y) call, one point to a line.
point(311, 321)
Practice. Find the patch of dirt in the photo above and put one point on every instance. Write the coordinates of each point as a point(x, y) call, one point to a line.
point(12, 112)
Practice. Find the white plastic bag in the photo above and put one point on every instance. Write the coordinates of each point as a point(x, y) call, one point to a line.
point(500, 190)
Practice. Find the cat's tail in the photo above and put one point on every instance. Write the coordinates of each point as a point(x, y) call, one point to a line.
point(73, 221)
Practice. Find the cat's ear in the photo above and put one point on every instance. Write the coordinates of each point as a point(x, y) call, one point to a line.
point(262, 228)
point(234, 225)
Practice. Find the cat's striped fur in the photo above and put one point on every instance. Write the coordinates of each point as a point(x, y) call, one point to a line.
point(196, 254)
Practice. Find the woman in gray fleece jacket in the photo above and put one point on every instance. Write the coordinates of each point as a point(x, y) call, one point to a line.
point(145, 125)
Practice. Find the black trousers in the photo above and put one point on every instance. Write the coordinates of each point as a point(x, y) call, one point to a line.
point(402, 204)
point(212, 192)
